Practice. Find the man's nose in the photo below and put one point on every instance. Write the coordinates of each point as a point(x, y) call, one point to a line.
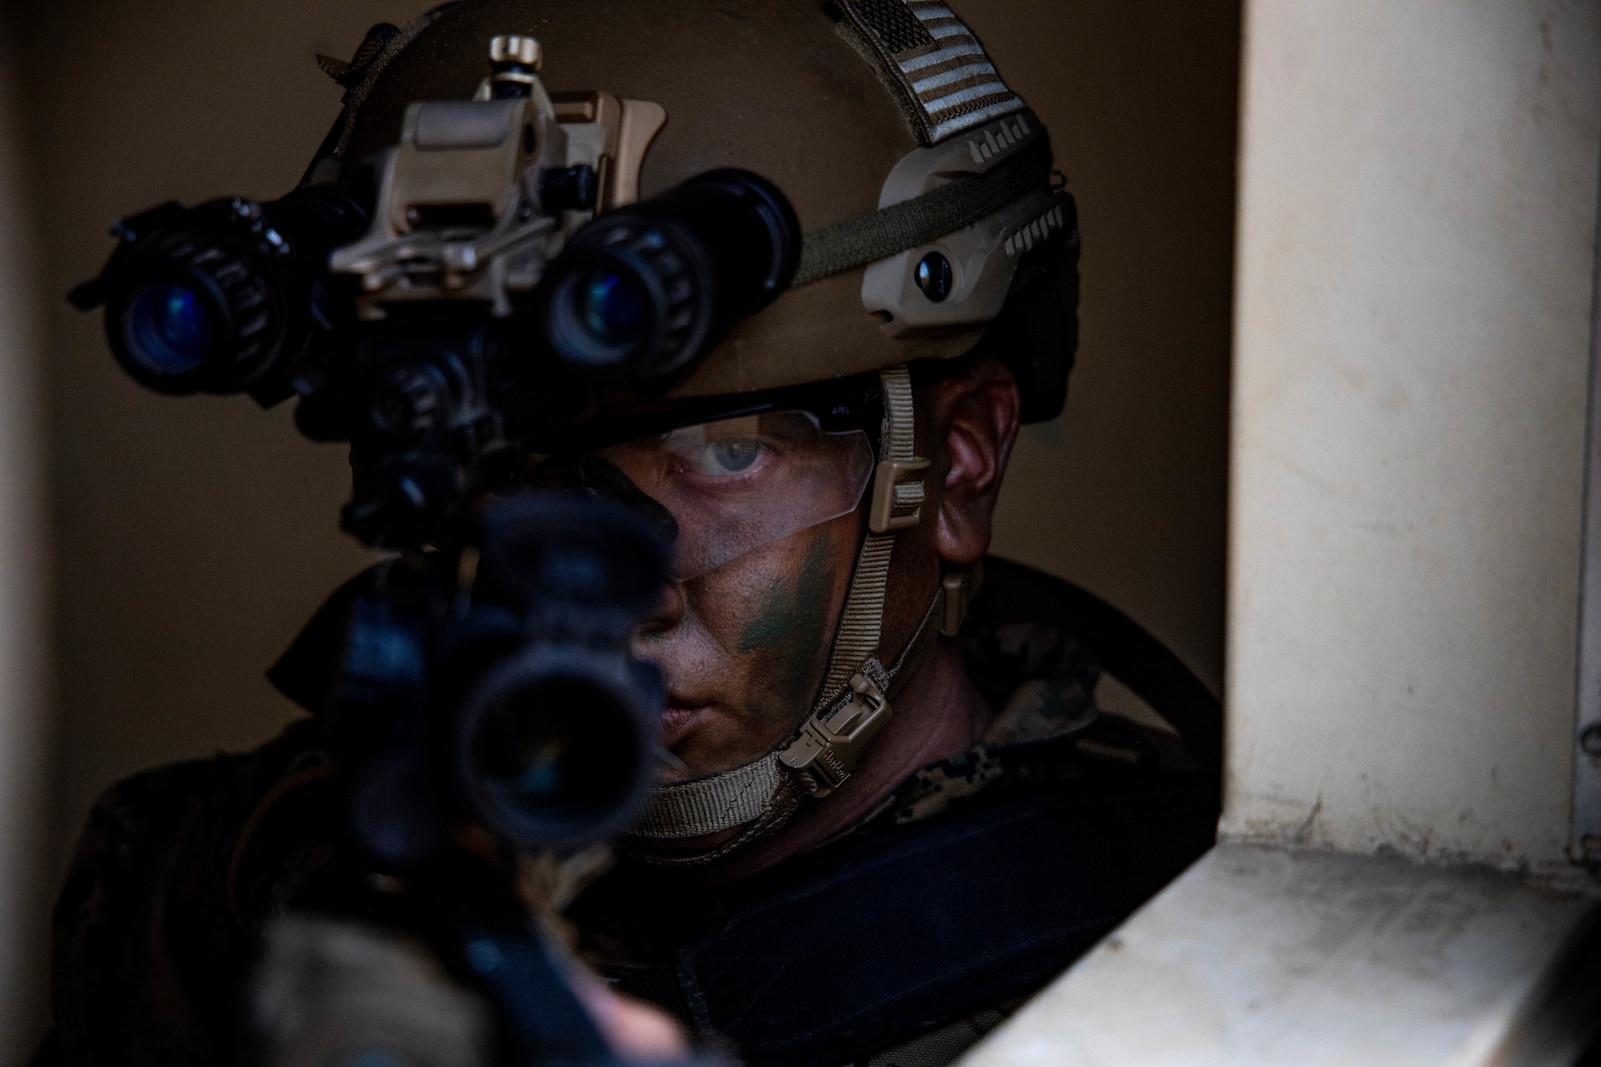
point(668, 612)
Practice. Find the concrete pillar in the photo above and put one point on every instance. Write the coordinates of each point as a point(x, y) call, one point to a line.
point(1415, 259)
point(1412, 332)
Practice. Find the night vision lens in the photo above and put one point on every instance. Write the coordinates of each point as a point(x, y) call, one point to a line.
point(644, 290)
point(612, 307)
point(219, 298)
point(168, 329)
point(601, 315)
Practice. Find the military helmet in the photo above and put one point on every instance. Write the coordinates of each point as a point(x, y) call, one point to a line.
point(933, 229)
point(923, 185)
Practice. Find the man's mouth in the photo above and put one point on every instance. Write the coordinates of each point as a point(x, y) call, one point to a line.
point(680, 717)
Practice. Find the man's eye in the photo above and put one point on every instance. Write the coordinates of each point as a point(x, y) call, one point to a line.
point(730, 457)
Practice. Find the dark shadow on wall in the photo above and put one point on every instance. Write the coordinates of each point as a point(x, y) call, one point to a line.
point(1126, 495)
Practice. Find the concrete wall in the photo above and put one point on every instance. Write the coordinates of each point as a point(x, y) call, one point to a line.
point(1412, 333)
point(1417, 220)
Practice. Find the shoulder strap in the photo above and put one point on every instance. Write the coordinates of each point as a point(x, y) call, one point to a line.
point(884, 936)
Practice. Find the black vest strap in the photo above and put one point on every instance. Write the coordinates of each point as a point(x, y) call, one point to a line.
point(876, 939)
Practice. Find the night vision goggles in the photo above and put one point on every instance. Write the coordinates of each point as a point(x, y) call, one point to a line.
point(473, 285)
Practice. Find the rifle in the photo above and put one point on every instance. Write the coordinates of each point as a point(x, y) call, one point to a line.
point(489, 729)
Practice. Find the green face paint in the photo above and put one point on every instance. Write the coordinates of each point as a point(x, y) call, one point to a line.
point(792, 628)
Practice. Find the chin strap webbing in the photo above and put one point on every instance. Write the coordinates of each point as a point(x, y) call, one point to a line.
point(761, 796)
point(738, 797)
point(853, 703)
point(897, 501)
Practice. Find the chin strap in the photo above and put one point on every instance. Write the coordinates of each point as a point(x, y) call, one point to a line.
point(853, 703)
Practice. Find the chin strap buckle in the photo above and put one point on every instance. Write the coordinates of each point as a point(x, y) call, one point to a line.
point(829, 746)
point(898, 495)
point(958, 588)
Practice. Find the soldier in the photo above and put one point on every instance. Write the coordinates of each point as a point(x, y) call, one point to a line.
point(893, 809)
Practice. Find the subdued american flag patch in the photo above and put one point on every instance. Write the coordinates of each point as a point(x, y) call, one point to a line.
point(947, 78)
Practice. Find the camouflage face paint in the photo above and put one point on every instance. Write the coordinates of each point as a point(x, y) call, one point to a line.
point(794, 625)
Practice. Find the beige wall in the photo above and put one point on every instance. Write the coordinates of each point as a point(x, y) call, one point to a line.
point(24, 633)
point(195, 537)
point(1416, 254)
point(191, 539)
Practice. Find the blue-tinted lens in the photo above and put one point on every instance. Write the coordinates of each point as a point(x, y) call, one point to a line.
point(168, 329)
point(611, 307)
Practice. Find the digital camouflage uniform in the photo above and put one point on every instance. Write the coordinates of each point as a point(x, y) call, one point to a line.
point(898, 943)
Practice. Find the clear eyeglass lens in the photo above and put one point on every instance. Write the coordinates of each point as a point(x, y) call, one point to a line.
point(737, 485)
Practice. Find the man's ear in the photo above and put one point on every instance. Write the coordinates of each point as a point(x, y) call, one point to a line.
point(976, 417)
